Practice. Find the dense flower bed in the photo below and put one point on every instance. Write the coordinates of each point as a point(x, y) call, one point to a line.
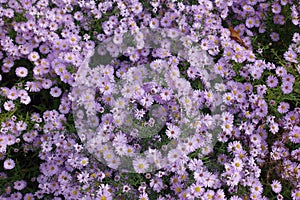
point(254, 46)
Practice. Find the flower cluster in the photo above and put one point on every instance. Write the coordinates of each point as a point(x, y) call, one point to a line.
point(155, 91)
point(66, 132)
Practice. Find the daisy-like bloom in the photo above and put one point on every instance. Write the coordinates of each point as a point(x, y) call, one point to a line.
point(23, 93)
point(147, 100)
point(21, 72)
point(165, 22)
point(279, 197)
point(296, 194)
point(16, 196)
point(12, 94)
point(166, 94)
point(33, 86)
point(250, 22)
point(274, 36)
point(227, 127)
point(276, 186)
point(294, 135)
point(272, 81)
point(129, 150)
point(255, 139)
point(84, 161)
point(274, 127)
point(256, 188)
point(55, 91)
point(173, 131)
point(228, 98)
point(126, 188)
point(108, 155)
point(235, 198)
point(140, 165)
point(83, 177)
point(157, 184)
point(9, 105)
point(209, 194)
point(290, 56)
point(28, 196)
point(209, 180)
point(287, 87)
point(227, 117)
point(237, 164)
point(191, 145)
point(280, 71)
point(143, 196)
point(255, 196)
point(174, 155)
point(235, 147)
point(139, 114)
point(20, 185)
point(222, 158)
point(278, 19)
point(276, 8)
point(288, 78)
point(283, 107)
point(154, 23)
point(9, 164)
point(33, 56)
point(296, 37)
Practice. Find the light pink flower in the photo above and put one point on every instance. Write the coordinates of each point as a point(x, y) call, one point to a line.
point(9, 164)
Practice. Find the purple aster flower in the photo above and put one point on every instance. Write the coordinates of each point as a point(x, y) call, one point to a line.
point(9, 105)
point(165, 22)
point(166, 94)
point(283, 2)
point(290, 56)
point(276, 8)
point(28, 196)
point(261, 89)
point(274, 127)
point(55, 91)
point(140, 165)
point(288, 78)
point(9, 164)
point(147, 100)
point(23, 93)
point(256, 188)
point(12, 94)
point(256, 71)
point(16, 196)
point(33, 56)
point(287, 88)
point(272, 81)
point(235, 147)
point(66, 77)
point(278, 19)
point(10, 139)
point(262, 111)
point(280, 71)
point(154, 23)
point(64, 108)
point(33, 86)
point(173, 131)
point(294, 135)
point(296, 37)
point(20, 185)
point(274, 36)
point(250, 22)
point(283, 107)
point(276, 186)
point(46, 83)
